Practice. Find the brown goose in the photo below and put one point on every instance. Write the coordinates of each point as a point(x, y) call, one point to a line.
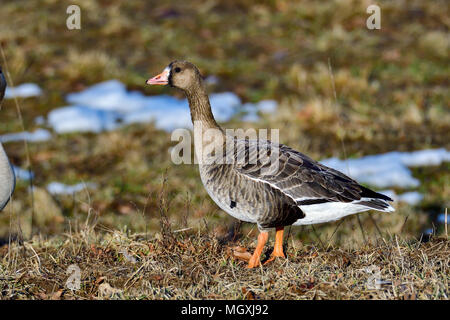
point(7, 178)
point(262, 182)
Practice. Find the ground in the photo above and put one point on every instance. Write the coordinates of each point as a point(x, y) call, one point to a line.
point(198, 266)
point(343, 90)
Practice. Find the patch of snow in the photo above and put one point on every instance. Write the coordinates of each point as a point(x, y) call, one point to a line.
point(250, 116)
point(412, 198)
point(388, 169)
point(36, 136)
point(168, 120)
point(109, 96)
point(40, 121)
point(61, 188)
point(430, 157)
point(22, 174)
point(267, 106)
point(25, 90)
point(212, 80)
point(441, 218)
point(81, 119)
point(224, 105)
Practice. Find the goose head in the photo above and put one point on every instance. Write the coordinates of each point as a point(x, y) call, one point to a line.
point(185, 76)
point(179, 74)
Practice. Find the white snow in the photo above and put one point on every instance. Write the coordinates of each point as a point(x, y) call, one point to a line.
point(252, 109)
point(109, 95)
point(36, 136)
point(388, 169)
point(212, 80)
point(54, 187)
point(22, 174)
point(40, 121)
point(61, 188)
point(107, 105)
point(25, 90)
point(412, 198)
point(267, 106)
point(81, 119)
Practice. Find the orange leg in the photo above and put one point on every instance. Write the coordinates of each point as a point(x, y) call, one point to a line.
point(255, 259)
point(278, 248)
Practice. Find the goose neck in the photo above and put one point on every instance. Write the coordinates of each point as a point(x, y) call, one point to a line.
point(201, 108)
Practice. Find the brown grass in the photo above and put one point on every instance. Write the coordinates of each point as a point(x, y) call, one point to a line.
point(196, 265)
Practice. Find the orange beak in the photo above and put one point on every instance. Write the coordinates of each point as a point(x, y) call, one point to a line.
point(160, 79)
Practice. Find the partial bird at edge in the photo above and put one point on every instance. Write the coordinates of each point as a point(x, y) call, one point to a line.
point(7, 177)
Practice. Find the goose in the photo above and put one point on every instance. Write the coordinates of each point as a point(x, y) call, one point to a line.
point(262, 182)
point(7, 177)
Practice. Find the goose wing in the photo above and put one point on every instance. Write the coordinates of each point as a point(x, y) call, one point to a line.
point(298, 176)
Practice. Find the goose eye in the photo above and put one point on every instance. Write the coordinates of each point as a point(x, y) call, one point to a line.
point(177, 69)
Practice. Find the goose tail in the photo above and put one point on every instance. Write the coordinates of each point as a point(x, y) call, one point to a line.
point(375, 200)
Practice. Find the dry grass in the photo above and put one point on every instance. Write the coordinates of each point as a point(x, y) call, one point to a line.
point(204, 262)
point(196, 265)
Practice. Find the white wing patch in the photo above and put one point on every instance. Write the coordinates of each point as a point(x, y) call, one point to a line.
point(332, 211)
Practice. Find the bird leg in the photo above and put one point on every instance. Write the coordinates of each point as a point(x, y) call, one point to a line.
point(278, 248)
point(255, 259)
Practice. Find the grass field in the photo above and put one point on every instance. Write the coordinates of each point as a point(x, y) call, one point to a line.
point(198, 266)
point(392, 93)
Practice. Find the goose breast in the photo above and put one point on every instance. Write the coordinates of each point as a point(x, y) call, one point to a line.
point(242, 196)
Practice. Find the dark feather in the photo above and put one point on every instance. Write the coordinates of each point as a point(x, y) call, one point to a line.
point(300, 177)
